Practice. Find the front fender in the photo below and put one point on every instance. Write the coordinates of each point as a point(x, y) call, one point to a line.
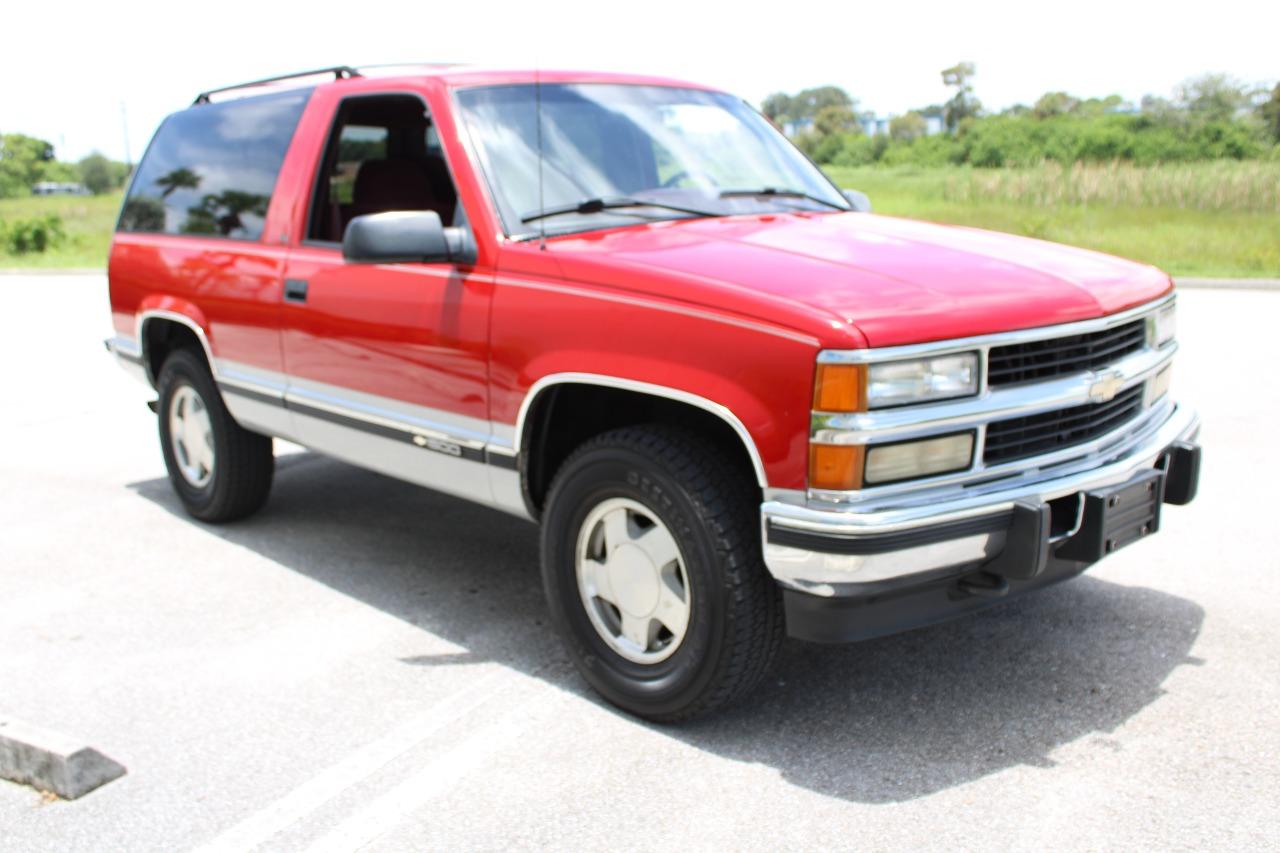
point(759, 382)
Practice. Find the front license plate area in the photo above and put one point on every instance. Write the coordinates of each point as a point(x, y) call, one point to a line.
point(1115, 517)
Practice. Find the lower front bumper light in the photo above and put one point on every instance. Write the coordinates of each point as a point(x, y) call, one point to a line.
point(910, 460)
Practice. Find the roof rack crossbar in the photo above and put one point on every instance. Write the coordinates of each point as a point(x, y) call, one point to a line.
point(339, 72)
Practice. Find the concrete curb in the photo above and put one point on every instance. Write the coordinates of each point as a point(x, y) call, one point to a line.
point(49, 761)
point(1228, 283)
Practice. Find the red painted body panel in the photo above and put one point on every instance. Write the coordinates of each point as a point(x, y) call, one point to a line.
point(894, 280)
point(733, 309)
point(416, 333)
point(229, 288)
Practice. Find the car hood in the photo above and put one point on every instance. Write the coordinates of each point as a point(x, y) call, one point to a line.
point(897, 281)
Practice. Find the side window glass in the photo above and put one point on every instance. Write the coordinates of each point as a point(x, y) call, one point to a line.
point(356, 144)
point(383, 154)
point(212, 168)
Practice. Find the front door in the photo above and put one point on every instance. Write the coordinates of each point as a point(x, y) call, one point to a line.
point(387, 363)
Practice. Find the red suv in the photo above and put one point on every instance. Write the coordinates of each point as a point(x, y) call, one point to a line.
point(739, 405)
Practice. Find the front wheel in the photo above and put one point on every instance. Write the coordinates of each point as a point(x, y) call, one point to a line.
point(652, 568)
point(220, 470)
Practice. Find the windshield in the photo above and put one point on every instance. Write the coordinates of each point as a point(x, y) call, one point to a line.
point(704, 153)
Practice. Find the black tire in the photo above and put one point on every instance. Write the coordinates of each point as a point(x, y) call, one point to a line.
point(710, 507)
point(244, 462)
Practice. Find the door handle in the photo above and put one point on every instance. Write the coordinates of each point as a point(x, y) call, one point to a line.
point(295, 290)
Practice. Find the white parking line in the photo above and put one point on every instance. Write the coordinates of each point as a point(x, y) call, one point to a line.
point(435, 779)
point(358, 766)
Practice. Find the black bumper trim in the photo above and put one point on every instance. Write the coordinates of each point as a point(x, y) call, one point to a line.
point(882, 543)
point(818, 619)
point(1182, 473)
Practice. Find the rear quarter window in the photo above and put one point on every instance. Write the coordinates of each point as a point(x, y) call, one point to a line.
point(211, 169)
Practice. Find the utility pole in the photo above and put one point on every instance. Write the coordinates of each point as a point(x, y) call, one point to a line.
point(124, 127)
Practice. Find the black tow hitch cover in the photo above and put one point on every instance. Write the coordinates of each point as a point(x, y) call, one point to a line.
point(984, 585)
point(1181, 473)
point(1026, 545)
point(1115, 517)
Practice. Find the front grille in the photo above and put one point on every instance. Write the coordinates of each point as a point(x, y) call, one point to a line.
point(1018, 438)
point(1038, 360)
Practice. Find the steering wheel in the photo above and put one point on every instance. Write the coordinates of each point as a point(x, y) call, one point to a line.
point(675, 179)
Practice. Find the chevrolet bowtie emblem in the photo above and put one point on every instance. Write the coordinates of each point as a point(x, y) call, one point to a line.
point(1105, 386)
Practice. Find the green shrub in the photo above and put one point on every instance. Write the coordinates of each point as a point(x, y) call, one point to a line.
point(938, 150)
point(31, 236)
point(827, 148)
point(860, 150)
point(1024, 140)
point(1162, 144)
point(1227, 140)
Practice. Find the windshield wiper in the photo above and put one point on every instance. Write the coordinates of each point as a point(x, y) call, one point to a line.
point(597, 205)
point(780, 193)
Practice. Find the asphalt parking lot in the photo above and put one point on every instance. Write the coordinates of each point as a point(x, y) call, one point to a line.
point(367, 665)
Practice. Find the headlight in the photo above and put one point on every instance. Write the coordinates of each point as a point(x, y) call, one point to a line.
point(910, 460)
point(1164, 325)
point(898, 383)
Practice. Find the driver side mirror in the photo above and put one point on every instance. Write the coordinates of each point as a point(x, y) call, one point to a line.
point(403, 236)
point(858, 199)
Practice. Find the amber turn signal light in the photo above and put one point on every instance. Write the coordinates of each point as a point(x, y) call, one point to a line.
point(835, 466)
point(840, 388)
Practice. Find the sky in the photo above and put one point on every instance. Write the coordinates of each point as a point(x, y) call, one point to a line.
point(88, 75)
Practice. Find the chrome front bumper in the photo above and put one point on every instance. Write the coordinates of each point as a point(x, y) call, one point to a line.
point(825, 550)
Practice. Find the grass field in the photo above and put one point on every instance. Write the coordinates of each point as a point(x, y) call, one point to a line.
point(1208, 219)
point(87, 220)
point(1214, 219)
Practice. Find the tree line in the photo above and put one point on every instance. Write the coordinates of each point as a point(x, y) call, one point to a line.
point(26, 161)
point(1208, 117)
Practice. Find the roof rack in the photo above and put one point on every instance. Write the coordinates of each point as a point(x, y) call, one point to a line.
point(362, 67)
point(339, 72)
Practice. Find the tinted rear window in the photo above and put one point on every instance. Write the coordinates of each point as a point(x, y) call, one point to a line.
point(211, 169)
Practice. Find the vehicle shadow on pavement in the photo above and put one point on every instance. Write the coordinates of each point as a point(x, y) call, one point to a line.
point(878, 722)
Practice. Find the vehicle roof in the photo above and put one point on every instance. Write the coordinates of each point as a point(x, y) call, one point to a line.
point(453, 76)
point(463, 76)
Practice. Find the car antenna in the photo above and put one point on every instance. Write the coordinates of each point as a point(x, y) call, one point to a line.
point(542, 204)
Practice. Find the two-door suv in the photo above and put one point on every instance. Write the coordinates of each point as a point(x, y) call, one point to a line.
point(739, 405)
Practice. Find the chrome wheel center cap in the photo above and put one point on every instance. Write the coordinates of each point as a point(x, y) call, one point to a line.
point(634, 579)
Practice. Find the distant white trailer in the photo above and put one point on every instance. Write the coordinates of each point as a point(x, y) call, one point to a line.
point(59, 188)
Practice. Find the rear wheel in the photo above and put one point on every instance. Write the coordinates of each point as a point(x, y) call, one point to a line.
point(652, 568)
point(220, 470)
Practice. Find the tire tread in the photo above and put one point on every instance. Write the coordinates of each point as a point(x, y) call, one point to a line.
point(245, 468)
point(724, 497)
